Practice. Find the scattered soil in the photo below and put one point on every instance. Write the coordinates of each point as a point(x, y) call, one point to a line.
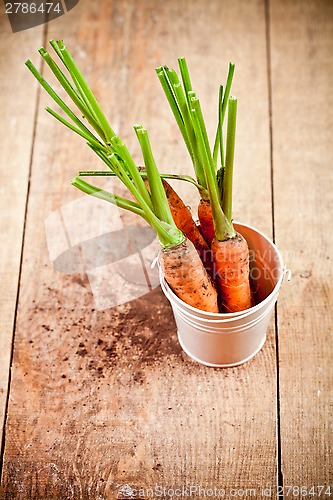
point(142, 334)
point(68, 339)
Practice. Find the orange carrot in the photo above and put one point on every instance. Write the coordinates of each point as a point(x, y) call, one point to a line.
point(183, 219)
point(183, 270)
point(229, 249)
point(206, 221)
point(232, 270)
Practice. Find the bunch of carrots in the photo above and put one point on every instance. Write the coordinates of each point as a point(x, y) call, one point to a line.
point(206, 264)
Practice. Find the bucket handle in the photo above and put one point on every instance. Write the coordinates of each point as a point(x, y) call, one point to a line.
point(155, 261)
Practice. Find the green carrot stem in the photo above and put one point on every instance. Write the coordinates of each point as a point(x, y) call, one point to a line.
point(79, 90)
point(219, 132)
point(120, 148)
point(61, 77)
point(169, 236)
point(72, 93)
point(167, 87)
point(223, 101)
point(227, 88)
point(187, 120)
point(121, 170)
point(80, 132)
point(180, 98)
point(186, 178)
point(185, 76)
point(178, 90)
point(229, 160)
point(95, 173)
point(115, 155)
point(223, 229)
point(128, 167)
point(59, 101)
point(103, 155)
point(76, 73)
point(219, 179)
point(198, 116)
point(101, 173)
point(59, 53)
point(122, 173)
point(107, 196)
point(160, 202)
point(195, 103)
point(88, 104)
point(168, 90)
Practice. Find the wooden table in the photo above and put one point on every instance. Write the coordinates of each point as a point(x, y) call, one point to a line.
point(100, 403)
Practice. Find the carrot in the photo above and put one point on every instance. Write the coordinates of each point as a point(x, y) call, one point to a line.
point(179, 97)
point(206, 220)
point(184, 221)
point(229, 249)
point(187, 277)
point(231, 259)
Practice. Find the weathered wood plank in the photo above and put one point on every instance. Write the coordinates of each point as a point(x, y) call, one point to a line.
point(302, 80)
point(105, 399)
point(17, 104)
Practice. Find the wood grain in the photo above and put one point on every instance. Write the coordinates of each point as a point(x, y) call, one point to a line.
point(103, 402)
point(17, 105)
point(302, 79)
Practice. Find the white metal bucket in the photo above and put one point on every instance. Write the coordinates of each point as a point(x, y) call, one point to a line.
point(230, 339)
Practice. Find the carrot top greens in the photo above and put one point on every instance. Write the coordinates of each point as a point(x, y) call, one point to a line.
point(151, 204)
point(215, 178)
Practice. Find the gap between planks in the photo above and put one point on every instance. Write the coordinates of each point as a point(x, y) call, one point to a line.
point(36, 111)
point(270, 110)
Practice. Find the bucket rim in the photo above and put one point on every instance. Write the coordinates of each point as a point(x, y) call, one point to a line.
point(236, 315)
